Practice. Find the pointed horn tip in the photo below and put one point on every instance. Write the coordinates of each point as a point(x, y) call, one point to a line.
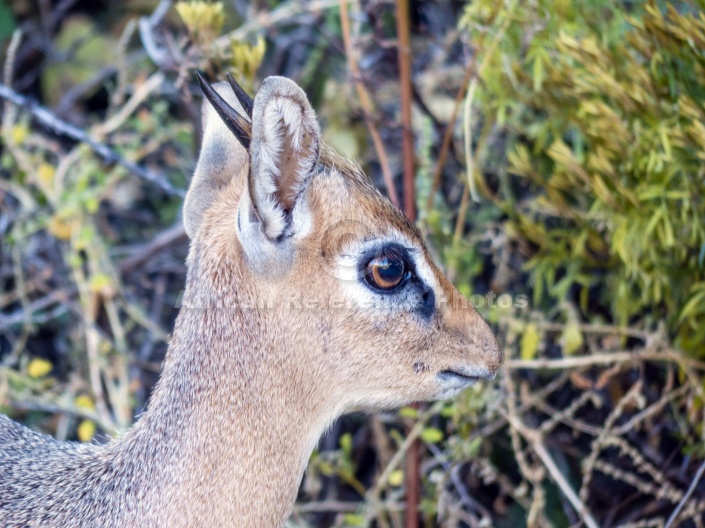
point(242, 96)
point(200, 78)
point(237, 124)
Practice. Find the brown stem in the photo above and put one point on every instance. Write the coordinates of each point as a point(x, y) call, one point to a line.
point(366, 103)
point(413, 477)
point(404, 54)
point(447, 137)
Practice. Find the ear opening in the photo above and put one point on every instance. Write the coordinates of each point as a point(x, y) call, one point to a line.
point(284, 152)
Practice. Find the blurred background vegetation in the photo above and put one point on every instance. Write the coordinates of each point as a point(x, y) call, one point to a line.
point(558, 150)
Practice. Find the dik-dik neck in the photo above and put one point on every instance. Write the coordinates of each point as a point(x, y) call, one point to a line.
point(231, 423)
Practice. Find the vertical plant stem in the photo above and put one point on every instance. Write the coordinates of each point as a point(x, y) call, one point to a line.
point(89, 305)
point(404, 55)
point(467, 125)
point(413, 478)
point(447, 137)
point(467, 93)
point(366, 103)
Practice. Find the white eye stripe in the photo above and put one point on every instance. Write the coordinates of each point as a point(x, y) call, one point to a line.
point(424, 271)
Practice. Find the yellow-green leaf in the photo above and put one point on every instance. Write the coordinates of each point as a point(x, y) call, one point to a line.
point(431, 435)
point(346, 443)
point(38, 368)
point(396, 478)
point(473, 447)
point(60, 227)
point(19, 134)
point(354, 519)
point(86, 430)
point(45, 174)
point(408, 412)
point(84, 402)
point(572, 338)
point(529, 342)
point(100, 282)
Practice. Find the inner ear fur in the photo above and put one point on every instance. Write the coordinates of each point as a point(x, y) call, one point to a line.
point(222, 158)
point(284, 152)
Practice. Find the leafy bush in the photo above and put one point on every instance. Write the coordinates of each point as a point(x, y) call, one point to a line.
point(600, 110)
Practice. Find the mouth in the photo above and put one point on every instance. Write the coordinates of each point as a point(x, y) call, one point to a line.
point(464, 377)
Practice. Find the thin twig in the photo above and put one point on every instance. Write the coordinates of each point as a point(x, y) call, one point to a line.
point(126, 110)
point(366, 103)
point(452, 472)
point(413, 477)
point(467, 143)
point(372, 499)
point(447, 137)
point(601, 359)
point(49, 120)
point(404, 55)
point(341, 506)
point(161, 56)
point(534, 439)
point(265, 19)
point(470, 163)
point(598, 329)
point(691, 489)
point(79, 412)
point(171, 236)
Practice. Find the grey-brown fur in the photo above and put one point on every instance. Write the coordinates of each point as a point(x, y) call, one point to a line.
point(270, 346)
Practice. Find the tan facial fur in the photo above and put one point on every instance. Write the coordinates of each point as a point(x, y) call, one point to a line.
point(370, 350)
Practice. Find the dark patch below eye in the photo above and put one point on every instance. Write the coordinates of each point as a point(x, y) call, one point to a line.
point(428, 301)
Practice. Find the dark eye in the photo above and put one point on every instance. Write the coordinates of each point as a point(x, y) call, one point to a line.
point(385, 272)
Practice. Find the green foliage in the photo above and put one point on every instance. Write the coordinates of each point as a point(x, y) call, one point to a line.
point(600, 109)
point(204, 20)
point(91, 50)
point(7, 20)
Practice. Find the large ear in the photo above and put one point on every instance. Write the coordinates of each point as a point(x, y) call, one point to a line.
point(222, 155)
point(284, 152)
point(284, 148)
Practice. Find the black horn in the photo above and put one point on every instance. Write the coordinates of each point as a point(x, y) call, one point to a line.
point(237, 124)
point(245, 100)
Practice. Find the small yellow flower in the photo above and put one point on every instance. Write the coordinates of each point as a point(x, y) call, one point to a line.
point(396, 478)
point(19, 134)
point(60, 227)
point(84, 402)
point(45, 174)
point(86, 430)
point(38, 368)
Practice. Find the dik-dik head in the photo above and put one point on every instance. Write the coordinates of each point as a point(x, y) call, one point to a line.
point(326, 271)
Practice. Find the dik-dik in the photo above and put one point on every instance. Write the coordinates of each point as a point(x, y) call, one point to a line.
point(308, 295)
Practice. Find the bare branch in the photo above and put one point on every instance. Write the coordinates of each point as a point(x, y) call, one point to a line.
point(49, 120)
